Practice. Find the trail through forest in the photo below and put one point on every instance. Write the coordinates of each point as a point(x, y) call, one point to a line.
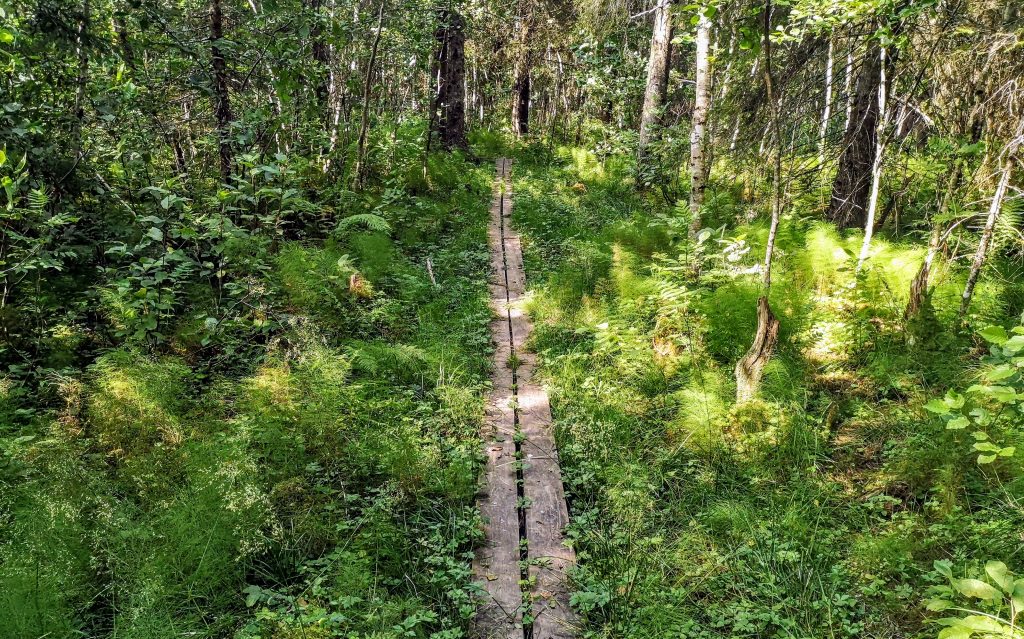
point(523, 501)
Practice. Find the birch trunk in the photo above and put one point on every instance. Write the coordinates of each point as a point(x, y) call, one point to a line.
point(82, 82)
point(876, 166)
point(657, 73)
point(826, 111)
point(701, 106)
point(986, 236)
point(848, 80)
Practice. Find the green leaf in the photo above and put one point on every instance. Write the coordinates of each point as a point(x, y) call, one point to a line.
point(252, 595)
point(954, 400)
point(944, 567)
point(155, 233)
point(958, 423)
point(1002, 371)
point(955, 632)
point(1017, 594)
point(994, 334)
point(938, 605)
point(1013, 345)
point(937, 406)
point(976, 588)
point(1000, 574)
point(1002, 394)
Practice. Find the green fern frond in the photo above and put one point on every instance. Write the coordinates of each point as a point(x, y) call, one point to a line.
point(38, 199)
point(369, 221)
point(1007, 231)
point(383, 359)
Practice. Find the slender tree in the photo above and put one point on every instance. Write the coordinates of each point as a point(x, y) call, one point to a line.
point(750, 367)
point(701, 108)
point(450, 108)
point(994, 209)
point(364, 119)
point(523, 52)
point(657, 74)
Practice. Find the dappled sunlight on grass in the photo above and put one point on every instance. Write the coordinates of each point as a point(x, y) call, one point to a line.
point(826, 476)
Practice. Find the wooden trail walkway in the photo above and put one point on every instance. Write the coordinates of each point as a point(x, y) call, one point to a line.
point(523, 562)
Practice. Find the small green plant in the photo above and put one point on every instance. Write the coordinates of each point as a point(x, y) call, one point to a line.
point(995, 402)
point(999, 600)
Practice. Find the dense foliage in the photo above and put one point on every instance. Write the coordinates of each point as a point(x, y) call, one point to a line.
point(244, 328)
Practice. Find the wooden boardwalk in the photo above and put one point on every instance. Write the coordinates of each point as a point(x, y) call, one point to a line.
point(523, 562)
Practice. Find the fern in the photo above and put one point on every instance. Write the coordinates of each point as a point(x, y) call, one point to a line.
point(382, 359)
point(369, 221)
point(38, 199)
point(1007, 231)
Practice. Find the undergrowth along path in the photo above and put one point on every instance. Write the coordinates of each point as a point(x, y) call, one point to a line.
point(524, 560)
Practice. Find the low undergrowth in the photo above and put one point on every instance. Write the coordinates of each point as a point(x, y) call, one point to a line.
point(818, 510)
point(287, 448)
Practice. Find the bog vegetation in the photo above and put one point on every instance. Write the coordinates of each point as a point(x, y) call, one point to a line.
point(776, 261)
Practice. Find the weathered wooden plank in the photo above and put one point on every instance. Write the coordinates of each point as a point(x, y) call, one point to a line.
point(546, 514)
point(496, 561)
point(517, 402)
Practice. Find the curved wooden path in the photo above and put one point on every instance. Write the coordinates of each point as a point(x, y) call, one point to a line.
point(523, 562)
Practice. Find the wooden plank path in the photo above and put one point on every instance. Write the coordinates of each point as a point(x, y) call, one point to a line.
point(523, 562)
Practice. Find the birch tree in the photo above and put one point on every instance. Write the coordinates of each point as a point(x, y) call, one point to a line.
point(657, 74)
point(701, 108)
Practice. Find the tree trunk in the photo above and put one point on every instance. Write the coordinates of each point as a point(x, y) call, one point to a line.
point(451, 92)
point(852, 186)
point(521, 74)
point(826, 111)
point(521, 102)
point(657, 73)
point(848, 89)
point(876, 165)
point(364, 120)
point(222, 106)
point(750, 368)
point(919, 286)
point(321, 55)
point(986, 236)
point(774, 102)
point(701, 106)
point(82, 83)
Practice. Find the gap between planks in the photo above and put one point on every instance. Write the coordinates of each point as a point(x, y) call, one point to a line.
point(523, 562)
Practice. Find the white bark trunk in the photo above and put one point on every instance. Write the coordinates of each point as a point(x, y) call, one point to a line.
point(986, 236)
point(657, 72)
point(701, 106)
point(876, 168)
point(826, 112)
point(849, 90)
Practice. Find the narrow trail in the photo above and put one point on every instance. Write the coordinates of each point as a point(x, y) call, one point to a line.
point(523, 561)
